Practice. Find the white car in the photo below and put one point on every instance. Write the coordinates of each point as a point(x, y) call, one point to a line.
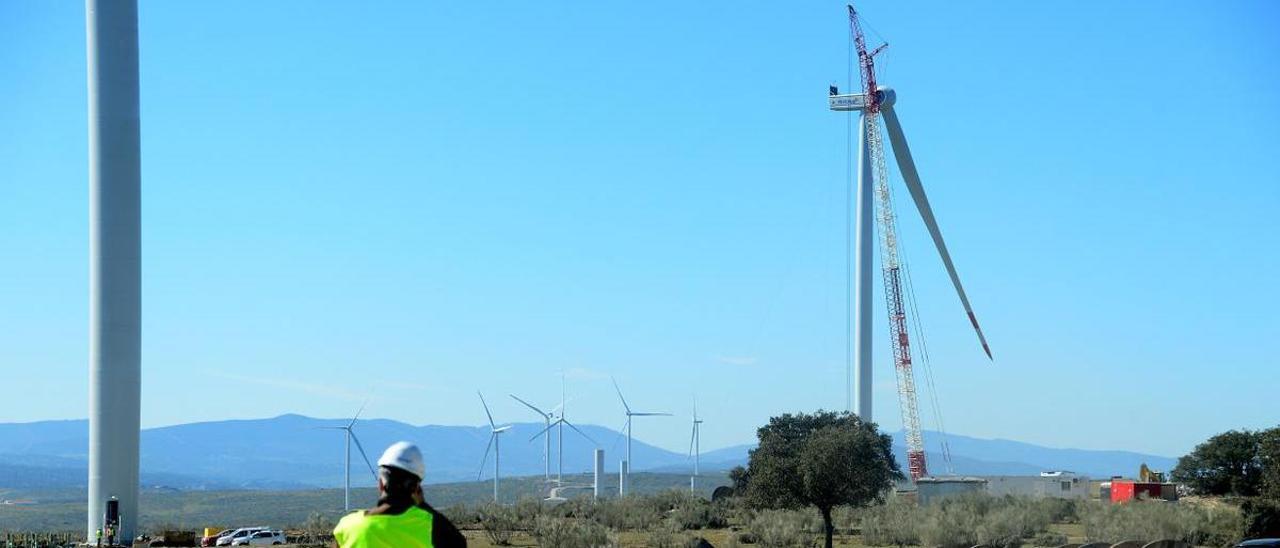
point(243, 532)
point(260, 538)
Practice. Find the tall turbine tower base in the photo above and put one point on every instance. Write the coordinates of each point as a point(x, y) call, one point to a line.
point(864, 233)
point(115, 249)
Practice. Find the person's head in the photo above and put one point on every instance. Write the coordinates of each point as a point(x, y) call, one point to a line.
point(400, 470)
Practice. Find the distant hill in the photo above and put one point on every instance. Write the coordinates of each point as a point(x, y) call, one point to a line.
point(294, 452)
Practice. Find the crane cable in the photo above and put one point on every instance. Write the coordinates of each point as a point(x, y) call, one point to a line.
point(923, 353)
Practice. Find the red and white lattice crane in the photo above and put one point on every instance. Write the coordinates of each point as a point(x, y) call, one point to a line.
point(876, 103)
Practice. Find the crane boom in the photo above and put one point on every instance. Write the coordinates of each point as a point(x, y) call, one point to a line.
point(899, 334)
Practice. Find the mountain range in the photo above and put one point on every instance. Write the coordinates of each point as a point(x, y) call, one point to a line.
point(293, 451)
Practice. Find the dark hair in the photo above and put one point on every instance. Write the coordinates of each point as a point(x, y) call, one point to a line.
point(397, 483)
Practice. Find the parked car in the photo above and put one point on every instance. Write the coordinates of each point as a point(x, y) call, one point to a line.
point(260, 538)
point(212, 540)
point(238, 534)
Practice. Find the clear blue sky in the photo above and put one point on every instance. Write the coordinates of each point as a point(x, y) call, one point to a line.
point(415, 201)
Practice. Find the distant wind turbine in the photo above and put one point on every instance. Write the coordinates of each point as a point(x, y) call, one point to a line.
point(546, 451)
point(494, 432)
point(695, 446)
point(631, 414)
point(560, 422)
point(351, 436)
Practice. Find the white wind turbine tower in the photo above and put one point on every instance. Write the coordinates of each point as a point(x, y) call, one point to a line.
point(874, 104)
point(351, 436)
point(494, 432)
point(546, 450)
point(695, 447)
point(631, 414)
point(559, 424)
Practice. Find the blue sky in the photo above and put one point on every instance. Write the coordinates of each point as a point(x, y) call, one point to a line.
point(411, 201)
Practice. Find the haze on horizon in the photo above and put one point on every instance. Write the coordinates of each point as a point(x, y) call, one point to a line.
point(410, 204)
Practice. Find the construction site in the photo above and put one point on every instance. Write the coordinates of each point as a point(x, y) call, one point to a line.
point(808, 477)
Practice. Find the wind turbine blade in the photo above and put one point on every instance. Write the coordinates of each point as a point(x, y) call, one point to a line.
point(620, 434)
point(357, 415)
point(619, 390)
point(365, 456)
point(651, 414)
point(584, 434)
point(530, 406)
point(503, 429)
point(485, 459)
point(907, 167)
point(547, 429)
point(561, 405)
point(331, 427)
point(692, 434)
point(486, 410)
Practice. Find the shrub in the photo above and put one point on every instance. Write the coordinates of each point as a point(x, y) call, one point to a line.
point(1148, 521)
point(894, 523)
point(572, 533)
point(463, 515)
point(1005, 526)
point(317, 530)
point(630, 513)
point(1261, 518)
point(847, 519)
point(499, 523)
point(1054, 510)
point(1049, 539)
point(951, 524)
point(668, 535)
point(527, 511)
point(983, 519)
point(784, 528)
point(699, 514)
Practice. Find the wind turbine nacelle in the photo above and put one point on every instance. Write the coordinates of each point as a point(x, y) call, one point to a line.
point(858, 101)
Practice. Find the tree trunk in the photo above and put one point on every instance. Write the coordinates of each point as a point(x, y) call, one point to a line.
point(827, 526)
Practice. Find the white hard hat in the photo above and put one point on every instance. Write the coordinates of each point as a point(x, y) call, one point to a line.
point(405, 456)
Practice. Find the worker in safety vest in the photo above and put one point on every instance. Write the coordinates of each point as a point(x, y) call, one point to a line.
point(402, 519)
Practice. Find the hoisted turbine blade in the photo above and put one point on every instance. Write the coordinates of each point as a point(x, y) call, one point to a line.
point(650, 414)
point(365, 456)
point(485, 459)
point(503, 429)
point(907, 167)
point(486, 410)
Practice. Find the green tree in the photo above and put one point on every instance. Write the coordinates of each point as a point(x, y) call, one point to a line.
point(1227, 463)
point(1269, 460)
point(823, 460)
point(739, 479)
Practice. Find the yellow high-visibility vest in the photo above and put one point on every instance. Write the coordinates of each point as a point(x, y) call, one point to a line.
point(412, 529)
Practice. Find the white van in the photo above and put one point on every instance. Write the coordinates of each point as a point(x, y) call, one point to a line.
point(261, 538)
point(243, 532)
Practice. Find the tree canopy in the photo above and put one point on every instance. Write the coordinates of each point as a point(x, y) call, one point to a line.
point(824, 460)
point(1269, 460)
point(1226, 464)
